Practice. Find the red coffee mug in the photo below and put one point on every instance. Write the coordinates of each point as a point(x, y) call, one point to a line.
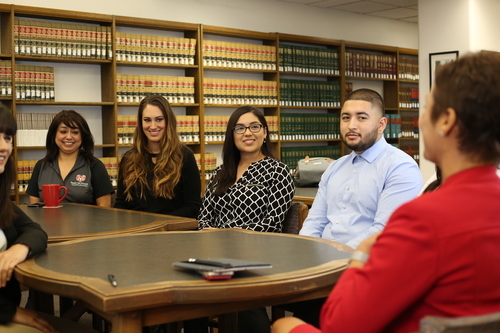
point(52, 194)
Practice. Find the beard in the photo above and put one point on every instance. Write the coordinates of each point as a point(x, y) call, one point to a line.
point(365, 141)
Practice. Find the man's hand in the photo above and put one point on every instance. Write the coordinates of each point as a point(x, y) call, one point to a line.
point(9, 259)
point(33, 319)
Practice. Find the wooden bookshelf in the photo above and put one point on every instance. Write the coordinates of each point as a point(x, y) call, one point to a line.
point(256, 67)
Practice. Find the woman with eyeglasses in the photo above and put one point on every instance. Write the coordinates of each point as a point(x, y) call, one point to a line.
point(250, 190)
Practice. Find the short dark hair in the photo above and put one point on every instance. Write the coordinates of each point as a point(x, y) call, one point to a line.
point(73, 120)
point(368, 95)
point(471, 86)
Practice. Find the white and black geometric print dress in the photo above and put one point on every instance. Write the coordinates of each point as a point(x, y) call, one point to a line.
point(258, 201)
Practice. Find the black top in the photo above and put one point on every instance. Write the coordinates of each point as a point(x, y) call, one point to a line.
point(186, 200)
point(22, 231)
point(86, 181)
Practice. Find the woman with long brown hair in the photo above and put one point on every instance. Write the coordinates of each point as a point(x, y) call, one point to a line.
point(159, 174)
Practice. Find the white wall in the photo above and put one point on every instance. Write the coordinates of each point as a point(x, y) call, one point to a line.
point(256, 15)
point(450, 25)
point(484, 25)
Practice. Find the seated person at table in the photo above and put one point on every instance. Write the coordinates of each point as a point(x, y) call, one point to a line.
point(438, 253)
point(19, 236)
point(358, 192)
point(70, 162)
point(159, 174)
point(250, 190)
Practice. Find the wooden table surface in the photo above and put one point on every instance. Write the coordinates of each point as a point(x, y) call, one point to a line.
point(150, 291)
point(74, 221)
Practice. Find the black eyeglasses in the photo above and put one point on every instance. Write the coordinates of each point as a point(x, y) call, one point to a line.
point(240, 129)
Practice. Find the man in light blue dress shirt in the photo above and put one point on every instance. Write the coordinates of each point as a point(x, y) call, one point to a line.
point(358, 192)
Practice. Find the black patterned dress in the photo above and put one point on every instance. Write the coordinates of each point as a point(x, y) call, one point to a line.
point(258, 201)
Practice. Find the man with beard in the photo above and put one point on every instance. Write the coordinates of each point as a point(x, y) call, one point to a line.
point(358, 192)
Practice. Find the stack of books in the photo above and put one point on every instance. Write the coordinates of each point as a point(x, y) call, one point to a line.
point(64, 40)
point(176, 89)
point(5, 78)
point(408, 68)
point(309, 93)
point(367, 64)
point(239, 92)
point(32, 128)
point(310, 126)
point(155, 49)
point(111, 164)
point(409, 97)
point(238, 55)
point(34, 83)
point(308, 59)
point(24, 171)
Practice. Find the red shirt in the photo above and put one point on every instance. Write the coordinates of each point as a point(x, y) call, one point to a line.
point(438, 255)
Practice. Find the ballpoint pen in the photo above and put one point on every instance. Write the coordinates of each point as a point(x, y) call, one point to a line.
point(112, 280)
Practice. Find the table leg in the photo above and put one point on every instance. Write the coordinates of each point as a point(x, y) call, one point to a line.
point(127, 322)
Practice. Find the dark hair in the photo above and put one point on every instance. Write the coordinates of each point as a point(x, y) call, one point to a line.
point(436, 183)
point(73, 120)
point(471, 86)
point(370, 96)
point(167, 170)
point(230, 153)
point(8, 126)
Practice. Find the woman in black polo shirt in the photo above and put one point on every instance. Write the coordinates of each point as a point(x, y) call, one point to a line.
point(70, 162)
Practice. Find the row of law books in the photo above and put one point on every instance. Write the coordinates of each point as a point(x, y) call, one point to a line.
point(239, 92)
point(291, 155)
point(34, 83)
point(309, 93)
point(368, 64)
point(413, 151)
point(215, 128)
point(5, 78)
point(409, 127)
point(238, 55)
point(210, 162)
point(32, 128)
point(133, 88)
point(155, 49)
point(111, 164)
point(409, 97)
point(408, 68)
point(63, 40)
point(399, 126)
point(310, 126)
point(308, 59)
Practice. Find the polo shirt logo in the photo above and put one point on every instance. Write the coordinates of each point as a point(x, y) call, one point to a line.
point(81, 178)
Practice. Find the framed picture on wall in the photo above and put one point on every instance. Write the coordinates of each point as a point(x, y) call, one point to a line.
point(438, 59)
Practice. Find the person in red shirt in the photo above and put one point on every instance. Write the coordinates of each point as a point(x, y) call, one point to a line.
point(438, 254)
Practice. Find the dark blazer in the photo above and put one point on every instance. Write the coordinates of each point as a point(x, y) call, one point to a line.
point(22, 231)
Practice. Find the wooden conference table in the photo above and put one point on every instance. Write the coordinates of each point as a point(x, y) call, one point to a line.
point(150, 291)
point(74, 221)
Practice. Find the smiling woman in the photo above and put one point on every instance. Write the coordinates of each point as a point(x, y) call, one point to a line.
point(70, 162)
point(159, 174)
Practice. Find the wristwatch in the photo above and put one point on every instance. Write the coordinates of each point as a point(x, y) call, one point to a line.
point(359, 256)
